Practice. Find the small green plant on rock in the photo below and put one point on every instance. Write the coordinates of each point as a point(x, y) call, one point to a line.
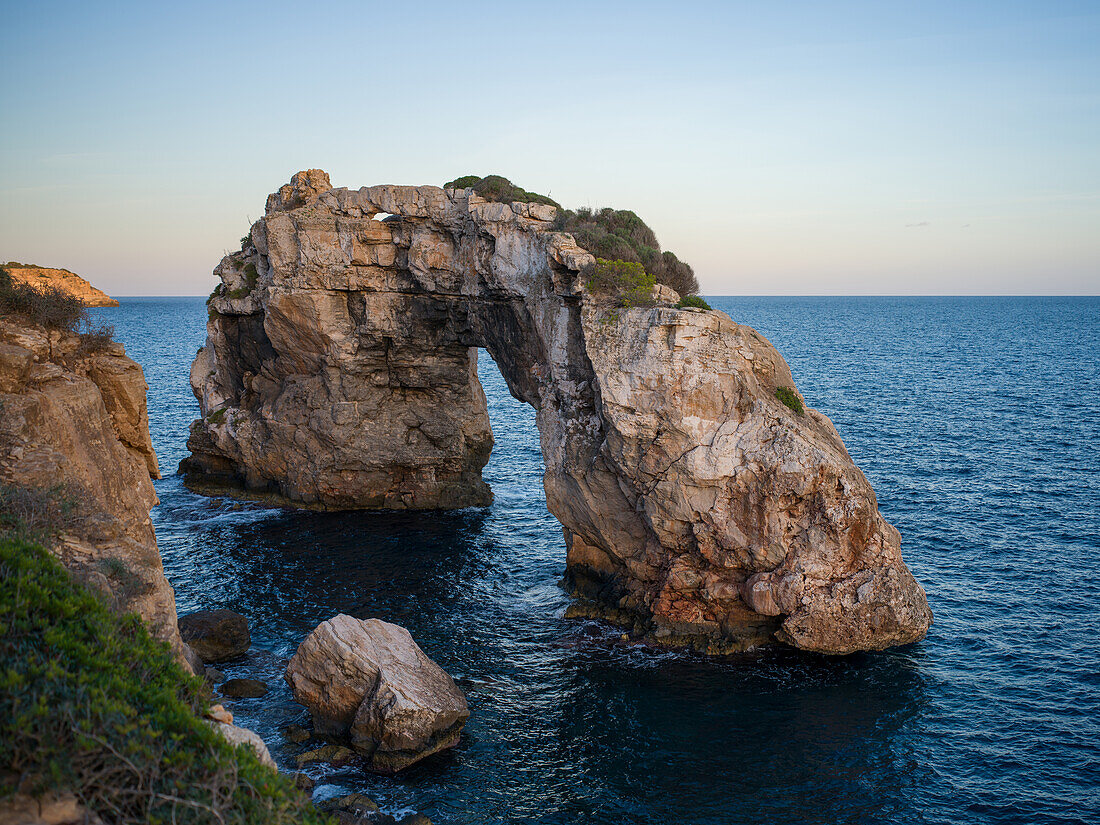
point(790, 399)
point(692, 302)
point(216, 416)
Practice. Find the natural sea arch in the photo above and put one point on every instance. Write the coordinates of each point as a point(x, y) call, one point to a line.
point(697, 506)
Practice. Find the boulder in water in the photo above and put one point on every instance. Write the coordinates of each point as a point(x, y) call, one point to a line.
point(369, 681)
point(243, 689)
point(216, 635)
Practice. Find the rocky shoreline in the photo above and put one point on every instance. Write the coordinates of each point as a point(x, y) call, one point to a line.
point(704, 504)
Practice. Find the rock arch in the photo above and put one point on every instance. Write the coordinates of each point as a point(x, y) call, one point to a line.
point(340, 372)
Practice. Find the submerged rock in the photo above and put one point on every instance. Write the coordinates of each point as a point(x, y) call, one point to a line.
point(703, 502)
point(359, 809)
point(354, 803)
point(337, 755)
point(369, 681)
point(243, 689)
point(296, 734)
point(216, 635)
point(213, 675)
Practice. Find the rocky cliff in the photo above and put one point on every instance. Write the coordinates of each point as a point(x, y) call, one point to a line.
point(70, 282)
point(340, 372)
point(74, 420)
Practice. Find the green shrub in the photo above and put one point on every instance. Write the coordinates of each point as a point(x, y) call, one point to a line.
point(96, 337)
point(790, 398)
point(53, 308)
point(45, 306)
point(623, 282)
point(619, 234)
point(693, 302)
point(498, 189)
point(91, 704)
point(216, 416)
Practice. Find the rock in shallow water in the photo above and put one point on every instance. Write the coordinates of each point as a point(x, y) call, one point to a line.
point(243, 689)
point(369, 681)
point(336, 755)
point(216, 635)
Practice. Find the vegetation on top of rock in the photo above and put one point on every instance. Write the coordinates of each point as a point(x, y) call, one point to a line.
point(91, 704)
point(250, 277)
point(619, 234)
point(612, 234)
point(625, 283)
point(692, 302)
point(498, 189)
point(790, 398)
point(52, 308)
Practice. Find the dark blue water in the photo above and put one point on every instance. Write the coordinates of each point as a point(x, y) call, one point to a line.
point(978, 423)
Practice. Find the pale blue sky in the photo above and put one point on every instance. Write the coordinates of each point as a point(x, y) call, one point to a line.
point(781, 148)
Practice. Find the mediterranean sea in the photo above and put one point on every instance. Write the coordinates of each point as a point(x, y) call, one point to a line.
point(977, 421)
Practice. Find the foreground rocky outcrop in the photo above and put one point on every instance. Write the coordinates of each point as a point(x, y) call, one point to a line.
point(62, 279)
point(699, 508)
point(367, 680)
point(74, 420)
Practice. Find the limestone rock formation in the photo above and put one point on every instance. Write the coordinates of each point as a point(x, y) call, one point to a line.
point(340, 372)
point(368, 680)
point(63, 279)
point(244, 736)
point(77, 420)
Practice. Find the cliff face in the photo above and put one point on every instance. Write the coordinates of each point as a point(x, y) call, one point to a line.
point(70, 282)
point(339, 372)
point(77, 420)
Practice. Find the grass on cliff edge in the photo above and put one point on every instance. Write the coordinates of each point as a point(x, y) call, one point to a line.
point(91, 704)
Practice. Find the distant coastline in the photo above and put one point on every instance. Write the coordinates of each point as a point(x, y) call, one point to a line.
point(63, 279)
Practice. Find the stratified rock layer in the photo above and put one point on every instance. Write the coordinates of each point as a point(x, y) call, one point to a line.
point(340, 372)
point(369, 681)
point(77, 420)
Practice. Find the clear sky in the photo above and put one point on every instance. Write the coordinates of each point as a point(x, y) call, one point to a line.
point(781, 148)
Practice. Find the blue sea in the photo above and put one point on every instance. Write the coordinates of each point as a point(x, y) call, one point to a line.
point(977, 420)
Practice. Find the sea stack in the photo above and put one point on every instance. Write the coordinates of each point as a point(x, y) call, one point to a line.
point(703, 501)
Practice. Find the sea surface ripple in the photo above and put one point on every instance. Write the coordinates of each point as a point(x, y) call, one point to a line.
point(977, 420)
